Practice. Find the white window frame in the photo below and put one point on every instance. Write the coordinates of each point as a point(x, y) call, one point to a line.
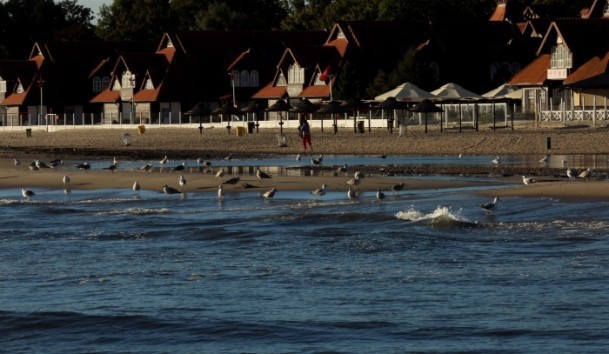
point(561, 58)
point(254, 78)
point(105, 82)
point(97, 84)
point(295, 74)
point(245, 79)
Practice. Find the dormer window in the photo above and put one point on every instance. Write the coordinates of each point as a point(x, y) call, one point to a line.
point(97, 84)
point(19, 88)
point(149, 85)
point(561, 57)
point(295, 74)
point(128, 80)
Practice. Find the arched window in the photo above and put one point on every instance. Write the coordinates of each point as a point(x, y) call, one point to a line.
point(245, 78)
point(561, 58)
point(254, 79)
point(105, 82)
point(97, 84)
point(295, 74)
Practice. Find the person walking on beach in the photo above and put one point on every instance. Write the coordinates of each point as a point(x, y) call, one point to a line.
point(305, 133)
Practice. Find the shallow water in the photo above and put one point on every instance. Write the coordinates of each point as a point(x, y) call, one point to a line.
point(422, 271)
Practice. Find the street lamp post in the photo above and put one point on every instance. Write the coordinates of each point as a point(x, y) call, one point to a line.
point(132, 82)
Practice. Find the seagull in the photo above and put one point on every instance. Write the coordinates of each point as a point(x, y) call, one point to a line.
point(351, 194)
point(164, 161)
point(136, 186)
point(41, 164)
point(66, 179)
point(57, 163)
point(207, 165)
point(380, 195)
point(496, 160)
point(270, 193)
point(383, 156)
point(220, 191)
point(354, 182)
point(17, 162)
point(528, 180)
point(233, 180)
point(170, 190)
point(115, 161)
point(490, 206)
point(570, 173)
point(182, 181)
point(111, 168)
point(261, 175)
point(397, 187)
point(342, 169)
point(83, 166)
point(298, 157)
point(584, 174)
point(359, 175)
point(320, 192)
point(179, 167)
point(26, 193)
point(317, 161)
point(147, 167)
point(220, 173)
point(544, 159)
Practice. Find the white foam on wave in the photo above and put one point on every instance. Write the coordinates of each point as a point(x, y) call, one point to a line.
point(441, 215)
point(137, 211)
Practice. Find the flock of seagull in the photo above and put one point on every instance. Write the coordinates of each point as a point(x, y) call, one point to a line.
point(352, 184)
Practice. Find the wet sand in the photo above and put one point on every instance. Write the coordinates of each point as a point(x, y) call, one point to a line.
point(187, 143)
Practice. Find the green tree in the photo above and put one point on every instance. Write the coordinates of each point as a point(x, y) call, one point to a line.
point(134, 20)
point(379, 85)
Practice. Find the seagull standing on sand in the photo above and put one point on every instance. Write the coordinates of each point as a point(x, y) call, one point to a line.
point(181, 167)
point(147, 167)
point(528, 180)
point(66, 179)
point(570, 173)
point(136, 187)
point(270, 193)
point(298, 157)
point(164, 161)
point(17, 163)
point(41, 164)
point(585, 173)
point(182, 182)
point(496, 160)
point(490, 206)
point(354, 182)
point(111, 168)
point(380, 195)
point(83, 166)
point(544, 159)
point(261, 175)
point(320, 192)
point(26, 193)
point(220, 174)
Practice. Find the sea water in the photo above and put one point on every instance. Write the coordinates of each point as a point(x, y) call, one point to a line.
point(426, 271)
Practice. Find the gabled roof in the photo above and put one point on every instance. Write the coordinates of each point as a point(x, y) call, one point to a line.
point(507, 10)
point(107, 96)
point(271, 92)
point(534, 74)
point(315, 91)
point(594, 73)
point(582, 37)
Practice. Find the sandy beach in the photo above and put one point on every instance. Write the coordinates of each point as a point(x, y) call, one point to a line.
point(189, 144)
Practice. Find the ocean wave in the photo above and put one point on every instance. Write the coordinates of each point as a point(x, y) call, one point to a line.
point(137, 211)
point(441, 216)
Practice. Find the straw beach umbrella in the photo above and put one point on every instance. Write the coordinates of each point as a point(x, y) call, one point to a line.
point(354, 105)
point(227, 110)
point(255, 107)
point(426, 106)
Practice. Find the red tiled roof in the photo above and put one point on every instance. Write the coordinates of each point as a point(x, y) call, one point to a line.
point(147, 95)
point(499, 14)
point(535, 73)
point(590, 74)
point(16, 99)
point(270, 91)
point(315, 91)
point(340, 44)
point(106, 96)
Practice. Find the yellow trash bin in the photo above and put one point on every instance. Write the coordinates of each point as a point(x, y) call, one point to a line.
point(141, 129)
point(240, 131)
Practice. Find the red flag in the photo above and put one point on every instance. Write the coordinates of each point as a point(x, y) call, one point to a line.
point(325, 75)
